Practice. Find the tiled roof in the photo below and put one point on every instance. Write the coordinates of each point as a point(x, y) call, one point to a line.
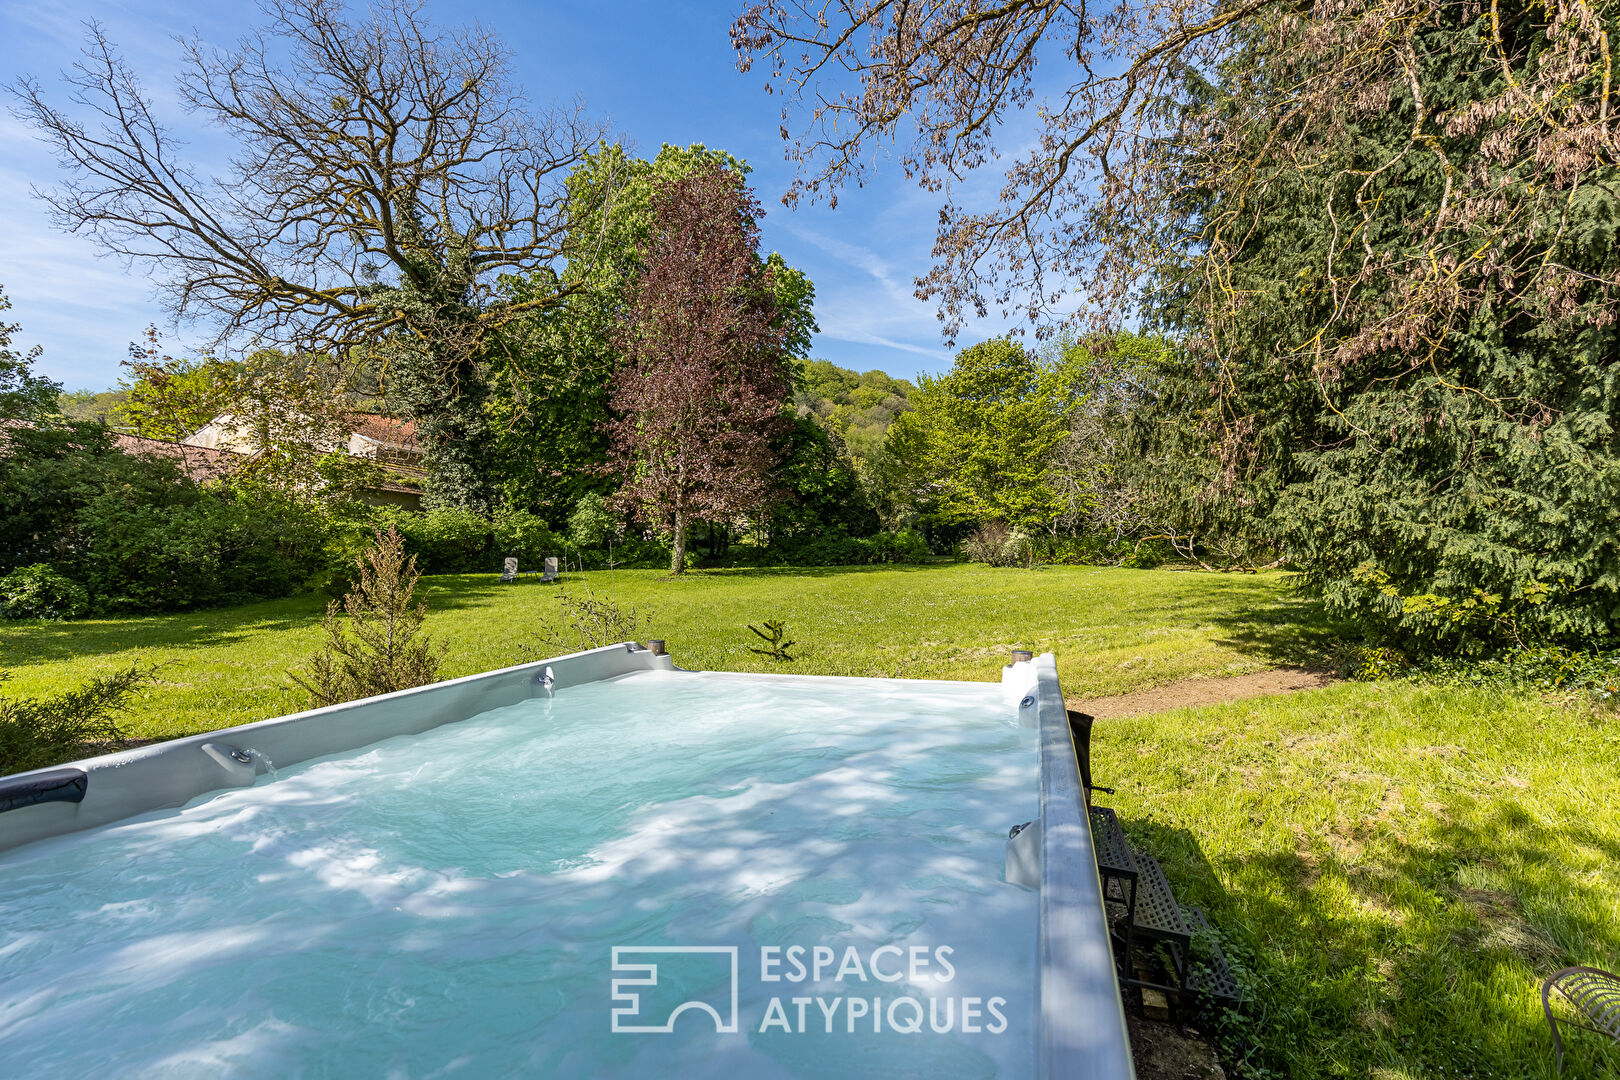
point(203, 463)
point(385, 429)
point(198, 462)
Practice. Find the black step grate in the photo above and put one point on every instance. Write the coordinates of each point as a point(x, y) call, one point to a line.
point(1114, 855)
point(1116, 863)
point(1157, 913)
point(1209, 975)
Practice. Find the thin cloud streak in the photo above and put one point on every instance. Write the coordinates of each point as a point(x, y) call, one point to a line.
point(852, 313)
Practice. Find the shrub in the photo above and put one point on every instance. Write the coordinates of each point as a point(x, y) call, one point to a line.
point(36, 732)
point(215, 548)
point(1145, 554)
point(1542, 669)
point(449, 541)
point(905, 546)
point(379, 652)
point(593, 524)
point(627, 554)
point(138, 534)
point(48, 474)
point(774, 635)
point(1094, 550)
point(39, 592)
point(829, 549)
point(838, 549)
point(590, 622)
point(525, 537)
point(998, 544)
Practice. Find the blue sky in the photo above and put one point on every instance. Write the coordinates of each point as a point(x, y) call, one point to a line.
point(658, 71)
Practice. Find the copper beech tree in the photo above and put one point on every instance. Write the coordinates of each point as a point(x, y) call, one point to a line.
point(699, 402)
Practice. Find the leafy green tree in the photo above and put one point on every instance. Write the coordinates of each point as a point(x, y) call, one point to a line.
point(858, 407)
point(98, 406)
point(50, 473)
point(168, 398)
point(137, 533)
point(1407, 379)
point(978, 441)
point(1385, 235)
point(199, 547)
point(593, 523)
point(23, 394)
point(1108, 488)
point(821, 489)
point(553, 371)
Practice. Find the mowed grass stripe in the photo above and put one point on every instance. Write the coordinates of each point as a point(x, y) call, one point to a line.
point(1113, 631)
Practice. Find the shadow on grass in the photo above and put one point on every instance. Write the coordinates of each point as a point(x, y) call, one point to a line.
point(811, 571)
point(1357, 958)
point(55, 642)
point(1294, 633)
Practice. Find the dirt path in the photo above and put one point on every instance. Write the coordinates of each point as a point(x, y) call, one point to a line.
point(1203, 692)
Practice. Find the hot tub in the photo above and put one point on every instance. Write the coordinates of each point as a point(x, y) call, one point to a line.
point(596, 865)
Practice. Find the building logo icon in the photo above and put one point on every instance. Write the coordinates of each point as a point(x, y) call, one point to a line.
point(636, 971)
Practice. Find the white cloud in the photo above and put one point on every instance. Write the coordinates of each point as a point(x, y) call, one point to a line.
point(850, 310)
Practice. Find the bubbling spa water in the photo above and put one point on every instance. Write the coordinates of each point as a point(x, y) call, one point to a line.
point(665, 874)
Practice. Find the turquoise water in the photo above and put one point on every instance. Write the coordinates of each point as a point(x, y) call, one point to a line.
point(447, 904)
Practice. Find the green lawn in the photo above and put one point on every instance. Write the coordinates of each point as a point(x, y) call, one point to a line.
point(1396, 867)
point(1112, 630)
point(1400, 865)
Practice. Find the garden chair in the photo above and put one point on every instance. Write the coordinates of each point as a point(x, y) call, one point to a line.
point(1592, 994)
point(551, 570)
point(509, 571)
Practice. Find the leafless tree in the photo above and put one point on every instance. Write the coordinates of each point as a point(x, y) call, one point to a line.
point(937, 81)
point(386, 174)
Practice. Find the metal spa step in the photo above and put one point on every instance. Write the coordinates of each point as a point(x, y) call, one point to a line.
point(1157, 913)
point(1209, 975)
point(1114, 854)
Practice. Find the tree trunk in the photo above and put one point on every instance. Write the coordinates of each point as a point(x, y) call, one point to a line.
point(677, 554)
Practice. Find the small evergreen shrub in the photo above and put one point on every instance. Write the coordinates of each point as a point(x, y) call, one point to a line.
point(377, 651)
point(36, 732)
point(39, 592)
